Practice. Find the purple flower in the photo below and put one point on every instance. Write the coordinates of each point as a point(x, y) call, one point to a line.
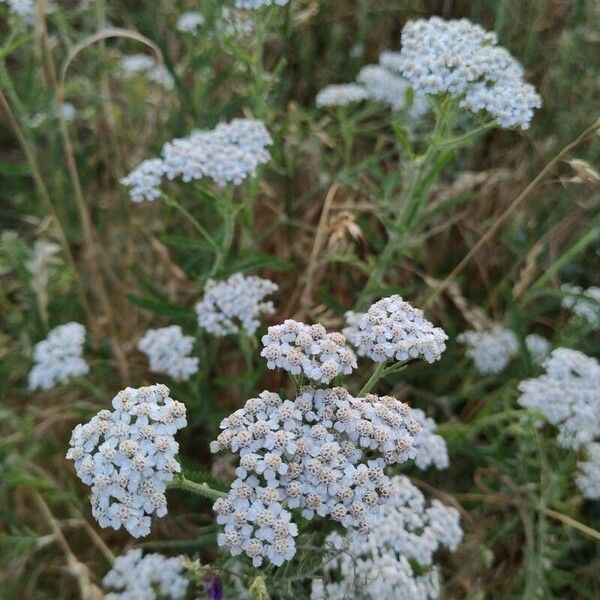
point(214, 589)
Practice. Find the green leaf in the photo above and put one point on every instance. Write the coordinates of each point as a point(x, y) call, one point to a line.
point(258, 260)
point(14, 170)
point(13, 42)
point(184, 241)
point(403, 139)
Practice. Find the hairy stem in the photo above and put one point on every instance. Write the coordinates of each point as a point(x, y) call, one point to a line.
point(377, 374)
point(200, 489)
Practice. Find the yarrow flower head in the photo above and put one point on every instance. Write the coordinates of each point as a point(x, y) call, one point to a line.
point(584, 303)
point(234, 305)
point(24, 9)
point(254, 4)
point(127, 457)
point(236, 23)
point(392, 89)
point(149, 577)
point(490, 350)
point(430, 447)
point(43, 258)
point(309, 453)
point(393, 330)
point(137, 64)
point(307, 349)
point(227, 154)
point(58, 358)
point(568, 395)
point(588, 480)
point(462, 59)
point(394, 560)
point(340, 94)
point(144, 181)
point(168, 351)
point(230, 153)
point(134, 64)
point(189, 22)
point(538, 347)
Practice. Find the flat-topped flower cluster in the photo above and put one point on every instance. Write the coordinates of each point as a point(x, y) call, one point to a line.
point(127, 457)
point(148, 577)
point(168, 352)
point(235, 305)
point(229, 153)
point(379, 84)
point(491, 350)
point(308, 350)
point(430, 448)
point(144, 64)
point(59, 357)
point(393, 330)
point(323, 453)
point(460, 58)
point(568, 395)
point(394, 560)
point(585, 303)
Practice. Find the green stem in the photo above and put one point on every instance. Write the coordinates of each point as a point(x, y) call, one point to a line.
point(201, 489)
point(170, 201)
point(420, 175)
point(467, 137)
point(347, 135)
point(377, 374)
point(229, 213)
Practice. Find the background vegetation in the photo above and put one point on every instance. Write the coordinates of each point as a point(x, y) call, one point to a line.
point(312, 227)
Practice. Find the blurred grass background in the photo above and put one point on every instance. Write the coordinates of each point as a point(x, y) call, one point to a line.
point(505, 475)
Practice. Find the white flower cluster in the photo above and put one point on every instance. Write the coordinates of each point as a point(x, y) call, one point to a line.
point(430, 447)
point(236, 23)
point(375, 82)
point(393, 330)
point(492, 350)
point(144, 181)
point(317, 453)
point(462, 59)
point(395, 559)
point(584, 303)
point(137, 64)
point(189, 22)
point(307, 349)
point(127, 457)
point(58, 357)
point(227, 154)
point(568, 395)
point(134, 64)
point(168, 351)
point(24, 9)
point(254, 4)
point(588, 480)
point(42, 257)
point(235, 304)
point(389, 88)
point(149, 577)
point(340, 94)
point(538, 347)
